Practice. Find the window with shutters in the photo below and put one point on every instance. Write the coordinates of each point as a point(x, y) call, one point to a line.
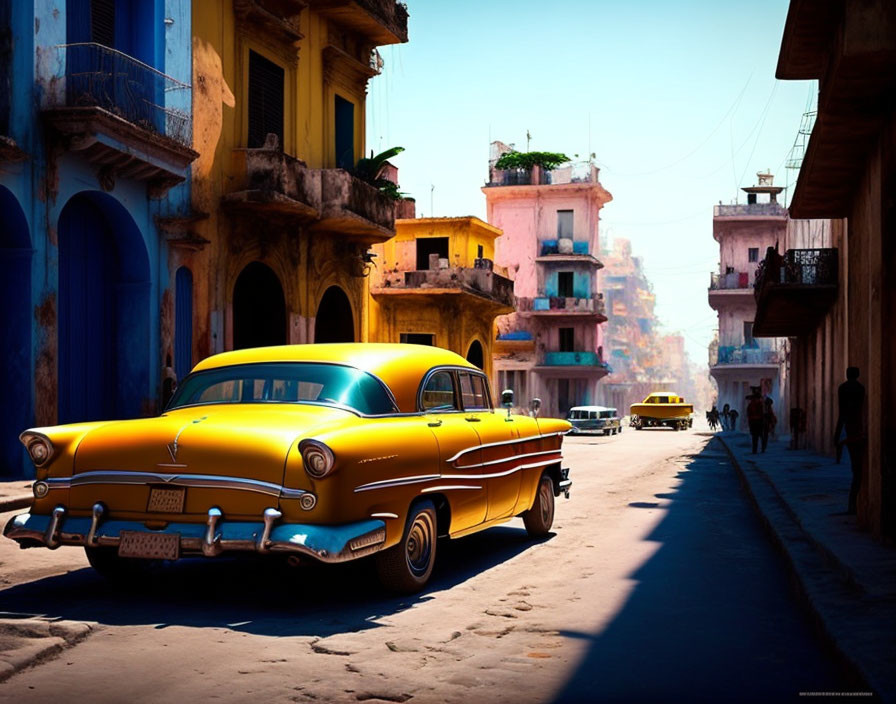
point(102, 22)
point(344, 117)
point(266, 80)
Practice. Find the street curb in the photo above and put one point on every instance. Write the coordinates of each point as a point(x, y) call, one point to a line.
point(37, 640)
point(790, 539)
point(13, 503)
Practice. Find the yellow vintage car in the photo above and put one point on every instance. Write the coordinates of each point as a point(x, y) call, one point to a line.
point(330, 451)
point(662, 408)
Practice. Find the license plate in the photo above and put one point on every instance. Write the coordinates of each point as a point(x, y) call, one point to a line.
point(166, 499)
point(149, 546)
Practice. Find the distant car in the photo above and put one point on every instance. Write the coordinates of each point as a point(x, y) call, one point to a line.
point(662, 408)
point(330, 452)
point(594, 419)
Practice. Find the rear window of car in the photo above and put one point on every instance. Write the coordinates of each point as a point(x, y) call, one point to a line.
point(285, 382)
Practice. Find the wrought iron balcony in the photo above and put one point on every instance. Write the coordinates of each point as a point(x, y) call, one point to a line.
point(585, 361)
point(743, 355)
point(733, 281)
point(793, 292)
point(122, 114)
point(383, 21)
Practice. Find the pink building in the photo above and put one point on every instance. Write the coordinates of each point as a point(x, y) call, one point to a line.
point(552, 347)
point(744, 233)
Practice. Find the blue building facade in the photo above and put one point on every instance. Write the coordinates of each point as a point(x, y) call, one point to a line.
point(95, 152)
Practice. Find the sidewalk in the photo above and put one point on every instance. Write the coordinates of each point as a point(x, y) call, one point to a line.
point(848, 579)
point(15, 494)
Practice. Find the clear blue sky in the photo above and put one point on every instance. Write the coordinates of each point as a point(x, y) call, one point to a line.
point(679, 99)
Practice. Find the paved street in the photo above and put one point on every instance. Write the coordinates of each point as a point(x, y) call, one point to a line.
point(658, 585)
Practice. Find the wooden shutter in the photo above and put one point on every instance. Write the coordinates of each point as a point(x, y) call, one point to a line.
point(265, 100)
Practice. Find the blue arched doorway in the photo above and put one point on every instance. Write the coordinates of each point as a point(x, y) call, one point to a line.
point(104, 311)
point(15, 333)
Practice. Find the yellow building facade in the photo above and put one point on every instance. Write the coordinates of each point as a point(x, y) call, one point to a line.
point(435, 283)
point(275, 249)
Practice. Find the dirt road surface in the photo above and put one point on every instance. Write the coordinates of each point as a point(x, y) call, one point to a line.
point(656, 585)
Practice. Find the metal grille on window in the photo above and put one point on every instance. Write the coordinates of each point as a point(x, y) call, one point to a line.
point(265, 100)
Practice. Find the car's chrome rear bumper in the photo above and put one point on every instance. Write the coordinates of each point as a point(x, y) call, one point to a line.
point(337, 543)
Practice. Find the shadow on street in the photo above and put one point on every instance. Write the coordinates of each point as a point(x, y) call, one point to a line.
point(258, 595)
point(713, 616)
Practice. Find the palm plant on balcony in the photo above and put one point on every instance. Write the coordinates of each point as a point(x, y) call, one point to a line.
point(370, 170)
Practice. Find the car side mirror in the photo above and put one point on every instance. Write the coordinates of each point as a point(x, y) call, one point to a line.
point(535, 406)
point(507, 400)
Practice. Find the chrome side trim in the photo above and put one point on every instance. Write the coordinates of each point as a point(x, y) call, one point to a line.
point(502, 442)
point(384, 514)
point(206, 481)
point(508, 459)
point(388, 483)
point(431, 489)
point(531, 465)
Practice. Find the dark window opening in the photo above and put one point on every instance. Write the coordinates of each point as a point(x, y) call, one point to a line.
point(564, 224)
point(259, 308)
point(564, 284)
point(417, 338)
point(748, 334)
point(751, 198)
point(265, 100)
point(345, 133)
point(102, 22)
point(567, 339)
point(430, 245)
point(475, 354)
point(479, 251)
point(753, 254)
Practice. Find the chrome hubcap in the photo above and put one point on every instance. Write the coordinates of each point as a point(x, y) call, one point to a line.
point(419, 544)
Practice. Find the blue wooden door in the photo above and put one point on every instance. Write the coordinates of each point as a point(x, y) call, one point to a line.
point(87, 265)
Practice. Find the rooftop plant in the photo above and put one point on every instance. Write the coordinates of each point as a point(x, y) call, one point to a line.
point(370, 171)
point(526, 160)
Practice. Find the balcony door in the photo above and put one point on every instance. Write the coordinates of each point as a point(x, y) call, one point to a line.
point(344, 117)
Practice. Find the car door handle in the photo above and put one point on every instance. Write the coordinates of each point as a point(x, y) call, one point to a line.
point(473, 419)
point(434, 423)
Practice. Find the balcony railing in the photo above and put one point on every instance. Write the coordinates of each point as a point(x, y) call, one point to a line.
point(555, 304)
point(753, 209)
point(481, 281)
point(570, 172)
point(99, 76)
point(734, 280)
point(743, 354)
point(573, 359)
point(563, 246)
point(808, 267)
point(793, 292)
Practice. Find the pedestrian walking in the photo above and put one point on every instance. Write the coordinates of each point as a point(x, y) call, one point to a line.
point(850, 406)
point(755, 419)
point(726, 417)
point(770, 420)
point(732, 419)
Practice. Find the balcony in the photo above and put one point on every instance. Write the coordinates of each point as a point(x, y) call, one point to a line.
point(731, 288)
point(750, 210)
point(570, 173)
point(744, 356)
point(272, 18)
point(480, 286)
point(272, 183)
point(122, 115)
point(554, 306)
point(382, 21)
point(573, 364)
point(794, 292)
point(354, 208)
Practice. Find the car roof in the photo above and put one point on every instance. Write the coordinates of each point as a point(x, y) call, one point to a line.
point(399, 366)
point(592, 408)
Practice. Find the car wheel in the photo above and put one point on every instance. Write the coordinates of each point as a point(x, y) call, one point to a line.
point(106, 561)
point(406, 567)
point(540, 517)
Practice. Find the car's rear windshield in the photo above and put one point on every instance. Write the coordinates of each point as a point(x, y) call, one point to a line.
point(285, 382)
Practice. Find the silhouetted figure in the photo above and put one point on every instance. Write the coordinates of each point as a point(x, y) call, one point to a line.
point(732, 418)
point(713, 417)
point(755, 413)
point(769, 421)
point(796, 424)
point(726, 417)
point(850, 404)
